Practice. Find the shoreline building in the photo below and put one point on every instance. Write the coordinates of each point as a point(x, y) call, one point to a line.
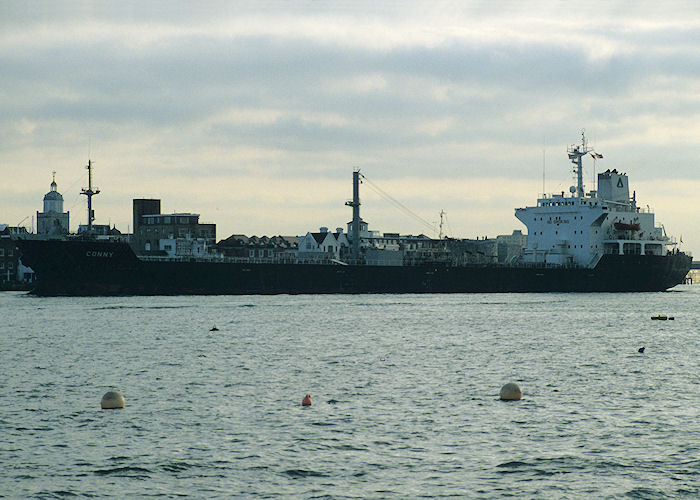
point(13, 274)
point(171, 234)
point(53, 220)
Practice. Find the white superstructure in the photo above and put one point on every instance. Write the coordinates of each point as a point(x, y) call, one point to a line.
point(576, 230)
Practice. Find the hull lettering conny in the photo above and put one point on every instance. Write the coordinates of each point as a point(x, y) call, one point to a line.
point(94, 253)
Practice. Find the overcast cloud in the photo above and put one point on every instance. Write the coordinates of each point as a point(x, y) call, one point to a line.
point(255, 114)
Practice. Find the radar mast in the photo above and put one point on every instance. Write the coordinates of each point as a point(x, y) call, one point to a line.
point(576, 153)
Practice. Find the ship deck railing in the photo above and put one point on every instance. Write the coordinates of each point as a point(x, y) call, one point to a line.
point(335, 262)
point(237, 260)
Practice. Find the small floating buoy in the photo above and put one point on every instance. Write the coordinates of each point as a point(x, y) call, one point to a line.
point(112, 400)
point(511, 392)
point(214, 329)
point(641, 349)
point(306, 401)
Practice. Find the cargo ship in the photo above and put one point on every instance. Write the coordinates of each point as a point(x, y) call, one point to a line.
point(595, 241)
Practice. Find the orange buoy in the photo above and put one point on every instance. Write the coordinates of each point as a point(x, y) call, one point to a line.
point(306, 401)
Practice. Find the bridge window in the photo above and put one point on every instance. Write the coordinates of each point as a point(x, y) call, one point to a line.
point(652, 249)
point(611, 248)
point(632, 248)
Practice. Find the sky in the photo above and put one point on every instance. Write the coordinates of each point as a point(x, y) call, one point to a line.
point(255, 114)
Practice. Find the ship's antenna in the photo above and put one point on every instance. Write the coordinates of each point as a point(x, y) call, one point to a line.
point(595, 161)
point(543, 170)
point(89, 192)
point(442, 220)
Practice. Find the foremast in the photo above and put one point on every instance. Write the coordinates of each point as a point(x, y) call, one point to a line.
point(89, 192)
point(355, 204)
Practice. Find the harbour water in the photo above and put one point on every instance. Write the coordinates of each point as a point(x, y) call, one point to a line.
point(404, 387)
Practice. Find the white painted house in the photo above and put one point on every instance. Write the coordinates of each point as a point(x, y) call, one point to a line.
point(323, 245)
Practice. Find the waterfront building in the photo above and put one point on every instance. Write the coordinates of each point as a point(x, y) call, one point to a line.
point(151, 226)
point(12, 272)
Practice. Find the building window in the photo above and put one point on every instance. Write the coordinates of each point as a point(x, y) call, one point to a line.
point(2, 252)
point(166, 220)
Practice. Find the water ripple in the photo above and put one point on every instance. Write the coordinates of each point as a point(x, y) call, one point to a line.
point(405, 393)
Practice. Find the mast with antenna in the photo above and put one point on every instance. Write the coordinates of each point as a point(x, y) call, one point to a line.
point(442, 220)
point(89, 192)
point(575, 155)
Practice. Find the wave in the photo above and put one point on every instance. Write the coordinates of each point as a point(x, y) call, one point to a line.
point(127, 471)
point(304, 473)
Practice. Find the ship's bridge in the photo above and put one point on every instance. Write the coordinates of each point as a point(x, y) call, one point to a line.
point(563, 230)
point(578, 230)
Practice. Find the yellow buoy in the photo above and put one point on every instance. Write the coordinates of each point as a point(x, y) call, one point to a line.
point(511, 392)
point(112, 400)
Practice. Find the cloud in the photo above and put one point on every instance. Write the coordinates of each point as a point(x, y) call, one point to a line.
point(275, 103)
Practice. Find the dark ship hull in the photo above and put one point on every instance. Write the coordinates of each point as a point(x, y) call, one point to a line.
point(86, 268)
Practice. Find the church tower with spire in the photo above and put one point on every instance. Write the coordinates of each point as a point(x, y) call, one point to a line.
point(53, 220)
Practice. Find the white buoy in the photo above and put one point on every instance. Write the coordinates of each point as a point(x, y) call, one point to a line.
point(511, 392)
point(112, 400)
